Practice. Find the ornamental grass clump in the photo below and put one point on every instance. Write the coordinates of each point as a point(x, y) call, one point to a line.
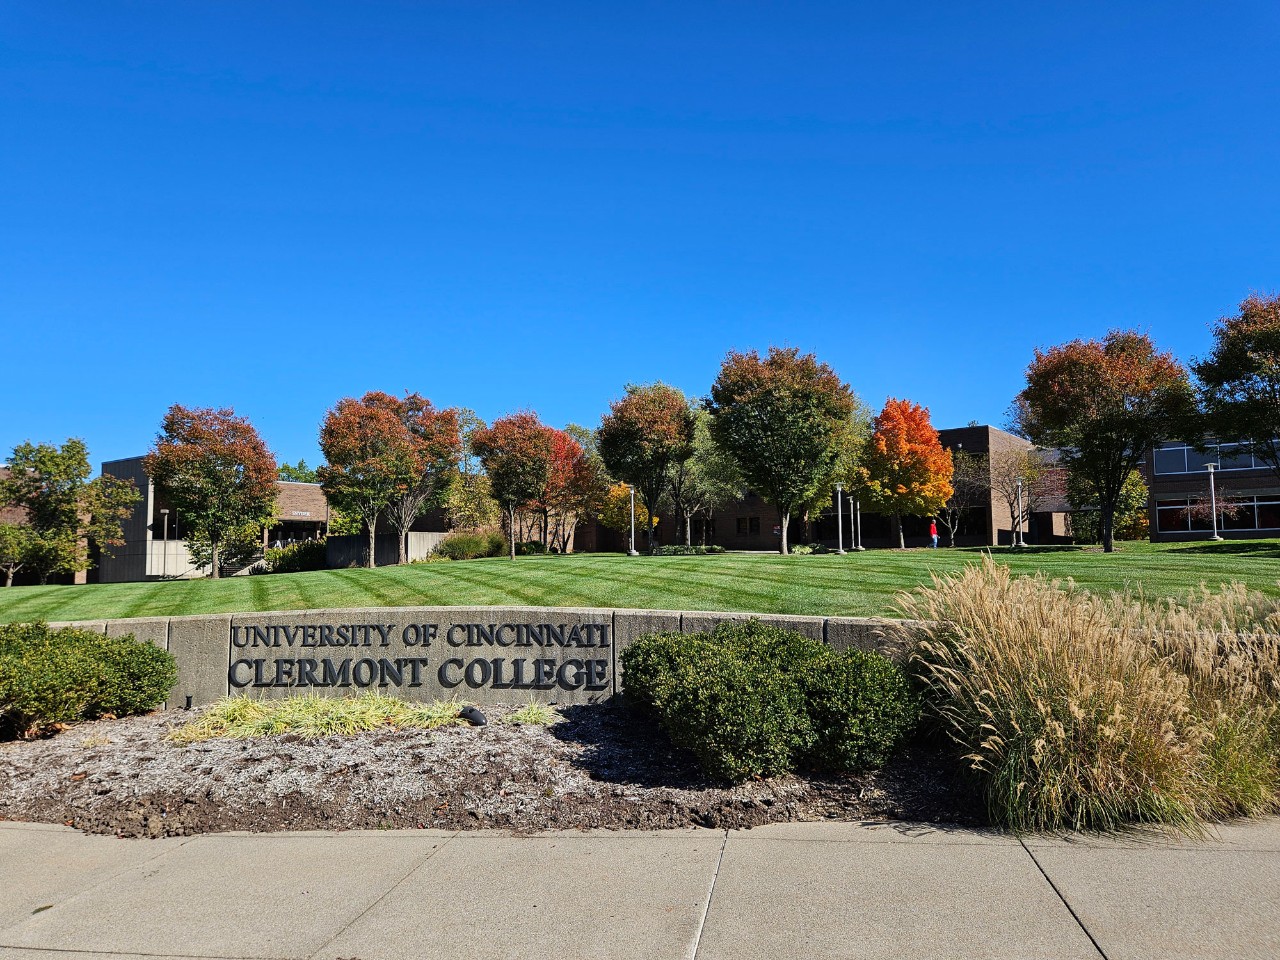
point(1082, 712)
point(239, 718)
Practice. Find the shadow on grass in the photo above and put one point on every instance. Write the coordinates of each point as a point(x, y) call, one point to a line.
point(1264, 549)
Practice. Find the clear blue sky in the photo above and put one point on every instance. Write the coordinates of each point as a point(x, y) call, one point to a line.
point(508, 206)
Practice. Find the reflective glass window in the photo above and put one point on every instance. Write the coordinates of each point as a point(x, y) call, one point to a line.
point(1172, 460)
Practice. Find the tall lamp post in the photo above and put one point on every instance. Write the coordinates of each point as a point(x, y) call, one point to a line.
point(631, 548)
point(1213, 501)
point(839, 518)
point(1020, 542)
point(164, 545)
point(856, 507)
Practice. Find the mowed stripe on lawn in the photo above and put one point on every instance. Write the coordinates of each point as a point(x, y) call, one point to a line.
point(859, 584)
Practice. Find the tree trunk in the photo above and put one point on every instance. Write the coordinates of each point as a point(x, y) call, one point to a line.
point(8, 578)
point(402, 548)
point(215, 570)
point(688, 529)
point(512, 528)
point(1108, 529)
point(902, 540)
point(784, 521)
point(371, 560)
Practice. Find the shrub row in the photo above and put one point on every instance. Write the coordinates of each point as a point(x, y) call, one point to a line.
point(50, 677)
point(469, 545)
point(296, 557)
point(681, 550)
point(751, 700)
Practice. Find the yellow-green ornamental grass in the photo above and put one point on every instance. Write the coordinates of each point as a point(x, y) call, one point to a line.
point(1078, 711)
point(310, 716)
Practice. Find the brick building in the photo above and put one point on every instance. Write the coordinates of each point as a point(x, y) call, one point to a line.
point(752, 523)
point(1177, 475)
point(154, 547)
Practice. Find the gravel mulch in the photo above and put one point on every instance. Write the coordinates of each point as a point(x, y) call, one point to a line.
point(600, 766)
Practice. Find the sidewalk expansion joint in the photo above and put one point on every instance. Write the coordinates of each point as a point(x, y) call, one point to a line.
point(390, 890)
point(696, 942)
point(1071, 910)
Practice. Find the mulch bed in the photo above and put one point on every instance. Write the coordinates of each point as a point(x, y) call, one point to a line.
point(600, 766)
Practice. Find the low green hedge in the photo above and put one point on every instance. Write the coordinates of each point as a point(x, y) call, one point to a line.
point(680, 550)
point(755, 701)
point(296, 557)
point(50, 677)
point(469, 546)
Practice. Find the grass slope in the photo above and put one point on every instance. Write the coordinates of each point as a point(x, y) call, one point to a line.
point(855, 584)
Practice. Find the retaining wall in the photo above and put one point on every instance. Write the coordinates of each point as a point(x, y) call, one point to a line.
point(480, 654)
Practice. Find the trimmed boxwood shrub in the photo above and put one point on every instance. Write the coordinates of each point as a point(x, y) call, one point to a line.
point(468, 546)
point(680, 550)
point(861, 706)
point(751, 700)
point(50, 677)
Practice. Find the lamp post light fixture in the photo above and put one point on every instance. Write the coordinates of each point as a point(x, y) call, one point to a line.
point(856, 507)
point(839, 519)
point(164, 544)
point(1020, 541)
point(631, 548)
point(1213, 501)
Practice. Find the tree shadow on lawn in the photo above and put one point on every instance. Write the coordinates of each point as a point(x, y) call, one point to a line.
point(1268, 550)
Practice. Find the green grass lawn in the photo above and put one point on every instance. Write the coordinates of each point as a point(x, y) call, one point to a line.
point(855, 584)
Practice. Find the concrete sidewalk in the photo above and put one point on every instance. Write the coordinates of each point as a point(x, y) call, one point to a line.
point(796, 890)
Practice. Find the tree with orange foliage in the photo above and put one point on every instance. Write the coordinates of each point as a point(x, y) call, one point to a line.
point(516, 452)
point(370, 459)
point(905, 470)
point(1102, 403)
point(217, 473)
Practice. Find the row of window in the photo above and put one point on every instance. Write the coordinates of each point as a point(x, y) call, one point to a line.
point(1180, 458)
point(1249, 513)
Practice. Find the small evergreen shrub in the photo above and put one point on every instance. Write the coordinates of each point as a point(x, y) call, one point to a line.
point(751, 700)
point(50, 677)
point(296, 557)
point(861, 706)
point(530, 548)
point(468, 545)
point(681, 550)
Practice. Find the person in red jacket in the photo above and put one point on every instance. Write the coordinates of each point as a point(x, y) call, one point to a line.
point(933, 533)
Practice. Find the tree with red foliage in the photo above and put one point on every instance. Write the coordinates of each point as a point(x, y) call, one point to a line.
point(371, 459)
point(575, 486)
point(434, 446)
point(643, 436)
point(905, 470)
point(516, 452)
point(1103, 403)
point(217, 473)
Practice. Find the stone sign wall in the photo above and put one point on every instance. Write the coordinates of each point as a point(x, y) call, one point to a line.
point(479, 654)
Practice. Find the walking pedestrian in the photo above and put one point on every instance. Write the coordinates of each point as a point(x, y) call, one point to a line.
point(933, 533)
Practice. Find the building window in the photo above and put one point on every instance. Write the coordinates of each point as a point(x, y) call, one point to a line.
point(1176, 516)
point(741, 527)
point(1181, 458)
point(755, 524)
point(748, 525)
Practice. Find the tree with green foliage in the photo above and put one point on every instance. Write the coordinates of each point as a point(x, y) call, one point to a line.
point(644, 437)
point(785, 419)
point(17, 549)
point(64, 509)
point(1239, 382)
point(1131, 519)
point(297, 473)
point(1103, 404)
point(215, 469)
point(706, 481)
